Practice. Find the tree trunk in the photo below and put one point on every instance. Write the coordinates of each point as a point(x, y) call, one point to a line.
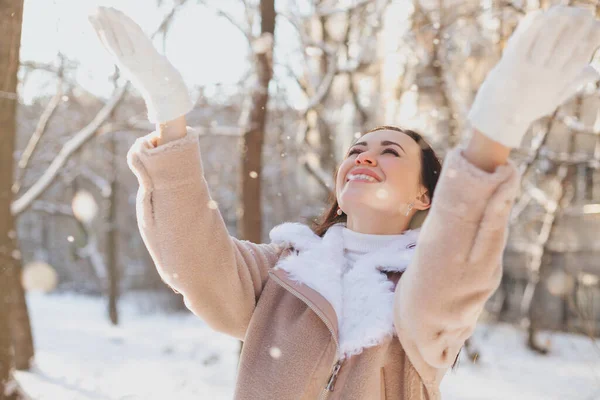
point(20, 326)
point(11, 17)
point(319, 135)
point(8, 387)
point(112, 257)
point(250, 222)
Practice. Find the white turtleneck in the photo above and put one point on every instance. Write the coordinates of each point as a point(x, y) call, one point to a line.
point(357, 244)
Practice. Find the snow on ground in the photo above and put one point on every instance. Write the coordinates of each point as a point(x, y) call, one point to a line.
point(80, 356)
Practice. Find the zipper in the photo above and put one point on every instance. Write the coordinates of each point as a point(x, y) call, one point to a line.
point(333, 377)
point(335, 369)
point(331, 382)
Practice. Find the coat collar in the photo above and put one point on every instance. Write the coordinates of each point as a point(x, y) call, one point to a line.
point(359, 304)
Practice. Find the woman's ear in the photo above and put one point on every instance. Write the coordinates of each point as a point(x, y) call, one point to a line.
point(423, 202)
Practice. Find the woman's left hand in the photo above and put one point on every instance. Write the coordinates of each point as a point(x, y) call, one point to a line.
point(545, 62)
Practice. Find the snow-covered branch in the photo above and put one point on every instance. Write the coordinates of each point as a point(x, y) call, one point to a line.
point(102, 184)
point(36, 136)
point(94, 255)
point(311, 163)
point(68, 149)
point(52, 208)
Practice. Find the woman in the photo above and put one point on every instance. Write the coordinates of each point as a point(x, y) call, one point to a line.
point(354, 309)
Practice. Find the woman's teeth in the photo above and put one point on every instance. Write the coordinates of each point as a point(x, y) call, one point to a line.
point(361, 177)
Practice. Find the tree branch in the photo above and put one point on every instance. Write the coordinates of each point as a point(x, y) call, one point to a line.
point(246, 32)
point(53, 209)
point(68, 149)
point(40, 129)
point(310, 162)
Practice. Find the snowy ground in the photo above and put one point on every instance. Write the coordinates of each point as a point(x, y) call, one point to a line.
point(158, 356)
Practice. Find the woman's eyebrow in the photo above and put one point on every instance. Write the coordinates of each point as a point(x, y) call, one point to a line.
point(384, 143)
point(388, 143)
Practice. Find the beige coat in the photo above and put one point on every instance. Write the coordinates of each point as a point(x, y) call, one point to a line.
point(290, 330)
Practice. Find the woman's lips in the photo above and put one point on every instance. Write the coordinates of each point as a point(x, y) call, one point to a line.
point(362, 175)
point(361, 178)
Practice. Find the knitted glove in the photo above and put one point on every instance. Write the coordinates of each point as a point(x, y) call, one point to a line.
point(160, 84)
point(545, 62)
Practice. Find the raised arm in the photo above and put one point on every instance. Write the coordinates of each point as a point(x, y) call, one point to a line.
point(458, 262)
point(220, 277)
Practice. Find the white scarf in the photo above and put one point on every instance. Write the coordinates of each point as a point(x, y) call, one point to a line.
point(363, 298)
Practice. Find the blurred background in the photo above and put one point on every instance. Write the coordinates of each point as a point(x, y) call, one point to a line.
point(84, 314)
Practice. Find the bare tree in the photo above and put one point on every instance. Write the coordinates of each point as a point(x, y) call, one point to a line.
point(11, 17)
point(111, 235)
point(250, 221)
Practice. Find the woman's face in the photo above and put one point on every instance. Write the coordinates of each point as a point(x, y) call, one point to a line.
point(381, 172)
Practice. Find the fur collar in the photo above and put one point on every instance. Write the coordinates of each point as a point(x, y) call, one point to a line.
point(363, 299)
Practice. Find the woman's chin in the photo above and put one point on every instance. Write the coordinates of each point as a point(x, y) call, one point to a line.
point(360, 202)
point(359, 191)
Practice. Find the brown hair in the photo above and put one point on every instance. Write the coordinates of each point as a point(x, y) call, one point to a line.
point(430, 172)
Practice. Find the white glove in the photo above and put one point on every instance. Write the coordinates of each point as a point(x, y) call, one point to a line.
point(160, 84)
point(545, 62)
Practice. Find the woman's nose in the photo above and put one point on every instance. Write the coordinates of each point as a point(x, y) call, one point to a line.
point(365, 158)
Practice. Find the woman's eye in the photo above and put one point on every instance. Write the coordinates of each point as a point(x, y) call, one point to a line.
point(392, 151)
point(354, 151)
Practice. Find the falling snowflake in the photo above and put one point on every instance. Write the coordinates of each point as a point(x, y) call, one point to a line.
point(84, 206)
point(381, 194)
point(39, 276)
point(275, 352)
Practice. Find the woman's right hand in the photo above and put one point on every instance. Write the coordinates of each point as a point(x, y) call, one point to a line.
point(160, 84)
point(544, 63)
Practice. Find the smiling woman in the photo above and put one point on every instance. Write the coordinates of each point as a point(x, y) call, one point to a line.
point(406, 169)
point(362, 306)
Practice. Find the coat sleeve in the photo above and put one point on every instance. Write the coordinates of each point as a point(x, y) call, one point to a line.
point(220, 277)
point(458, 260)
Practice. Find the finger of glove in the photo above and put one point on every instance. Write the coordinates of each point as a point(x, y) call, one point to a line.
point(565, 10)
point(116, 33)
point(584, 50)
point(130, 25)
point(142, 44)
point(587, 75)
point(106, 35)
point(574, 50)
point(558, 30)
point(104, 40)
point(522, 38)
point(97, 28)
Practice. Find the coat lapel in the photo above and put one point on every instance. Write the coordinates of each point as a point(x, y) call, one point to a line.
point(358, 305)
